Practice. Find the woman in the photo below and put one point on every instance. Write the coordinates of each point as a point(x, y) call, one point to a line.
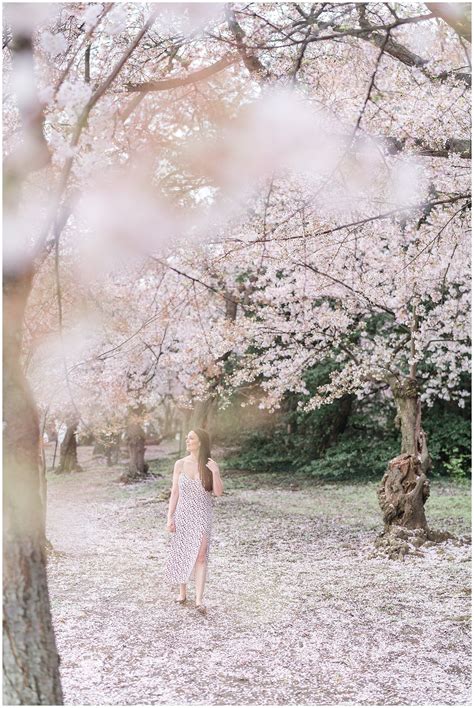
point(190, 515)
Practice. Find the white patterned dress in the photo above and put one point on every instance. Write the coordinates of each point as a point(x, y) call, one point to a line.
point(193, 518)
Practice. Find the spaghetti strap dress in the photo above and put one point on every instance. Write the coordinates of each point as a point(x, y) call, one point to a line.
point(193, 519)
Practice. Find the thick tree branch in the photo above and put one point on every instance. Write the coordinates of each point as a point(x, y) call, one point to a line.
point(250, 58)
point(195, 77)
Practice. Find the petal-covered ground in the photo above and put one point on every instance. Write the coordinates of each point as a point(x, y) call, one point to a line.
point(297, 611)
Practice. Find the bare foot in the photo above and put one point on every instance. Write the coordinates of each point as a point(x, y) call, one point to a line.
point(180, 599)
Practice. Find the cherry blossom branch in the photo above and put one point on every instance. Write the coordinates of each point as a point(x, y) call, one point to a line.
point(430, 243)
point(348, 287)
point(88, 35)
point(194, 280)
point(416, 207)
point(336, 34)
point(371, 84)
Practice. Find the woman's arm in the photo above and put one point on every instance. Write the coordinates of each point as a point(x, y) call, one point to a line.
point(217, 485)
point(174, 489)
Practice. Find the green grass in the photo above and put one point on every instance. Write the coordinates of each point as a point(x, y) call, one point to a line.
point(355, 503)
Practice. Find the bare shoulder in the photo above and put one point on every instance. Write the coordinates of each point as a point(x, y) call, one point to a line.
point(178, 465)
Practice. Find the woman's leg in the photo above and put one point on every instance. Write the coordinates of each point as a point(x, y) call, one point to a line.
point(200, 570)
point(182, 591)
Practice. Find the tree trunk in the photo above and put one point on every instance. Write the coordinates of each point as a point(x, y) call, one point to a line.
point(112, 450)
point(137, 467)
point(202, 413)
point(405, 488)
point(204, 410)
point(408, 419)
point(108, 446)
point(68, 450)
point(168, 420)
point(30, 657)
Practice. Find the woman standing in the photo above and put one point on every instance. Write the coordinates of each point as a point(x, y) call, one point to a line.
point(190, 514)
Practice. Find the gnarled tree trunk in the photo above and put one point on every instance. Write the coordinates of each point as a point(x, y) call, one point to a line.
point(404, 488)
point(30, 657)
point(403, 492)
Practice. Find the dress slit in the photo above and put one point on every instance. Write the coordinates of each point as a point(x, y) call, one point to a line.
point(192, 575)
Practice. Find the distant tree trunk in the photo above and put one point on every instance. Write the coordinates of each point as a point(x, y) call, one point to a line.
point(168, 422)
point(135, 435)
point(68, 451)
point(108, 446)
point(43, 490)
point(112, 450)
point(30, 657)
point(51, 432)
point(339, 420)
point(136, 447)
point(185, 427)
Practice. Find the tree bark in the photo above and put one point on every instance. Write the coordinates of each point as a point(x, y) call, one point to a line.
point(403, 492)
point(405, 487)
point(30, 657)
point(137, 467)
point(68, 451)
point(408, 419)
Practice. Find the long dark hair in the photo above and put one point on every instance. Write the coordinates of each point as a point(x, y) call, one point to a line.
point(204, 454)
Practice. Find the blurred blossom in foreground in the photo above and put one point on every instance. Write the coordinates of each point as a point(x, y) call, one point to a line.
point(276, 132)
point(118, 216)
point(407, 182)
point(185, 18)
point(25, 17)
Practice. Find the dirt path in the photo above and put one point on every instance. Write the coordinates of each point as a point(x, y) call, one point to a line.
point(297, 613)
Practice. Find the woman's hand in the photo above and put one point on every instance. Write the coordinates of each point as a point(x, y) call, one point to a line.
point(170, 526)
point(212, 466)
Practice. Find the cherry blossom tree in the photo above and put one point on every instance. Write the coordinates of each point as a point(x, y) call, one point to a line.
point(317, 156)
